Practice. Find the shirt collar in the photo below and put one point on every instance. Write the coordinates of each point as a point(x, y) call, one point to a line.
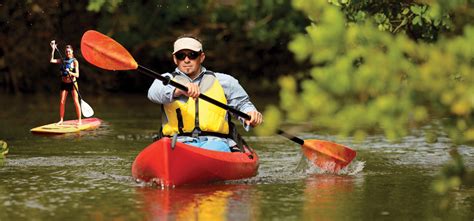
point(203, 69)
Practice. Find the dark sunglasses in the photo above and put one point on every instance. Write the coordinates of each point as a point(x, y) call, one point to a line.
point(191, 55)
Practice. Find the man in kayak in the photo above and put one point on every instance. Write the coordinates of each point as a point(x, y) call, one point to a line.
point(195, 121)
point(69, 73)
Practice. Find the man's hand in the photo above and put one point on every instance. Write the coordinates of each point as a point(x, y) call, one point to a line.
point(193, 91)
point(256, 118)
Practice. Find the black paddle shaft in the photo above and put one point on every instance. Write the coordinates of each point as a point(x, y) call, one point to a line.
point(167, 80)
point(291, 137)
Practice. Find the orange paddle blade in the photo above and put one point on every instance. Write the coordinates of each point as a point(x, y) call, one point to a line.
point(327, 155)
point(104, 52)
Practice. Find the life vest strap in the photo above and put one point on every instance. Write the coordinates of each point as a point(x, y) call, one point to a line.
point(180, 120)
point(203, 133)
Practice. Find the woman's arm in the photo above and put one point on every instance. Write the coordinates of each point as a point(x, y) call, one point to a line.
point(53, 47)
point(76, 73)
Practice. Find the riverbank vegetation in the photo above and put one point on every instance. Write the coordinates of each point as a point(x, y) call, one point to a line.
point(246, 39)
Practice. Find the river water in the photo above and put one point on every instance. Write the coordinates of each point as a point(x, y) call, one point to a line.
point(87, 176)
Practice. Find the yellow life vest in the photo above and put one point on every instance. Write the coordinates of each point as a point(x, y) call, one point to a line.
point(197, 117)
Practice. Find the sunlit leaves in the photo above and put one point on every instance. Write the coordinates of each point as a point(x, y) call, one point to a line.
point(469, 134)
point(3, 151)
point(301, 43)
point(328, 36)
point(290, 101)
point(366, 80)
point(273, 120)
point(452, 175)
point(443, 185)
point(97, 5)
point(3, 148)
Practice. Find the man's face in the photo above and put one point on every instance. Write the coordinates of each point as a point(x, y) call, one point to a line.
point(189, 61)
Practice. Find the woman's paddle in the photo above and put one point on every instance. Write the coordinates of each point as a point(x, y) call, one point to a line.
point(106, 53)
point(86, 109)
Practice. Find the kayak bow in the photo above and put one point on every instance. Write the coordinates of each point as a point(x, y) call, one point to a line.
point(186, 164)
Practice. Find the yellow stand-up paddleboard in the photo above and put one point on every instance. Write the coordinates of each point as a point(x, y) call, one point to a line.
point(69, 126)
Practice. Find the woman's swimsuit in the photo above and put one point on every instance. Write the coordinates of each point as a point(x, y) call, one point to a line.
point(67, 86)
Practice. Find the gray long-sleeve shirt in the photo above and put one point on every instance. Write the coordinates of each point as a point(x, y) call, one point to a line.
point(235, 94)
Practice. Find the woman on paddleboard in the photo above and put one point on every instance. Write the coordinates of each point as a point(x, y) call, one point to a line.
point(69, 74)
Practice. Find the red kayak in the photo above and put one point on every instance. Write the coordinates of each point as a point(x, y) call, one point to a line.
point(187, 164)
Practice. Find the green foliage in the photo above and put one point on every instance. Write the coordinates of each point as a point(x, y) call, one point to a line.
point(365, 80)
point(372, 72)
point(247, 39)
point(109, 5)
point(272, 113)
point(414, 18)
point(3, 151)
point(452, 176)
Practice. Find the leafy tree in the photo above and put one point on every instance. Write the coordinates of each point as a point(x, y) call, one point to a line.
point(372, 72)
point(414, 18)
point(364, 79)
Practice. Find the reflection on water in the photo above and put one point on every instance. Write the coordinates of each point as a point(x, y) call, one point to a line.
point(326, 196)
point(207, 202)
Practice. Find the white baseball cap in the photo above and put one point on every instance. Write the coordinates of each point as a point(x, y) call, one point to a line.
point(187, 43)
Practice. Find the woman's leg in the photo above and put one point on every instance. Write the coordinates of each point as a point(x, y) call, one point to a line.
point(78, 106)
point(62, 103)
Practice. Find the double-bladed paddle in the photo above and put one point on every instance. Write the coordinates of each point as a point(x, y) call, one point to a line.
point(104, 52)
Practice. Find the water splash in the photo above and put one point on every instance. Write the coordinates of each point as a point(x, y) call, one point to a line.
point(154, 183)
point(308, 167)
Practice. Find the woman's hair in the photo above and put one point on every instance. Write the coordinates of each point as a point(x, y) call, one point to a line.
point(69, 47)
